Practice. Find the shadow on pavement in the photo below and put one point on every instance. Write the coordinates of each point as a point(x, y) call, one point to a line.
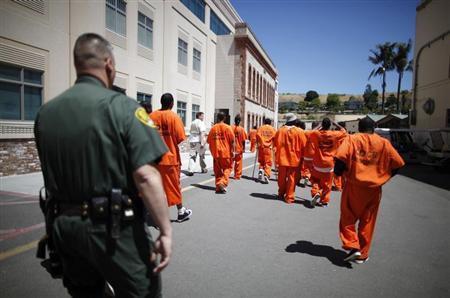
point(335, 256)
point(204, 187)
point(426, 174)
point(249, 178)
point(273, 197)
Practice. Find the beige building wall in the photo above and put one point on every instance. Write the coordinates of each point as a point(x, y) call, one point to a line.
point(432, 64)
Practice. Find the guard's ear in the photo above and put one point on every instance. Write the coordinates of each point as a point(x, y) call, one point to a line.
point(110, 69)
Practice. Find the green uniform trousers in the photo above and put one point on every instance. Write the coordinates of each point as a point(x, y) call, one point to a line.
point(89, 258)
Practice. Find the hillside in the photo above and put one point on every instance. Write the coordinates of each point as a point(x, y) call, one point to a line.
point(296, 97)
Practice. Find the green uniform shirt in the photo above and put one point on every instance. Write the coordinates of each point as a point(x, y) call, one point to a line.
point(91, 139)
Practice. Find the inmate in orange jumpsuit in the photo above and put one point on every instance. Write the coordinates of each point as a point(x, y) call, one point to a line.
point(172, 132)
point(221, 140)
point(369, 160)
point(252, 138)
point(306, 165)
point(264, 137)
point(290, 142)
point(325, 144)
point(240, 137)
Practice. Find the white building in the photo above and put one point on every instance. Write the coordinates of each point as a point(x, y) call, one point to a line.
point(160, 46)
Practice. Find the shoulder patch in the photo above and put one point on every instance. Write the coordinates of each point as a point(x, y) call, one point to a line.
point(143, 117)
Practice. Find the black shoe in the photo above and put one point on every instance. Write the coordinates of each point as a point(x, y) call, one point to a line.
point(301, 183)
point(352, 255)
point(315, 199)
point(189, 174)
point(204, 171)
point(222, 189)
point(185, 216)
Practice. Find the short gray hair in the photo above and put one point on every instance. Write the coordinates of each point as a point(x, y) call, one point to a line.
point(90, 50)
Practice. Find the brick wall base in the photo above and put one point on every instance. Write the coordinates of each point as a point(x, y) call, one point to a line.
point(21, 157)
point(18, 157)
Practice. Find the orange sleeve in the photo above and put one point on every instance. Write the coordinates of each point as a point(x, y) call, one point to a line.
point(180, 136)
point(343, 152)
point(396, 161)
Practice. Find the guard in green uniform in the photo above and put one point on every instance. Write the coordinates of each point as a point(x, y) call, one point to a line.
point(98, 149)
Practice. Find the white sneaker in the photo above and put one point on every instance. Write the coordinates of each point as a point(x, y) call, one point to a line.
point(185, 215)
point(360, 261)
point(352, 255)
point(260, 175)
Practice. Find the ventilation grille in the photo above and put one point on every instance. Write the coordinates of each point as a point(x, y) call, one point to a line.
point(21, 57)
point(16, 130)
point(36, 5)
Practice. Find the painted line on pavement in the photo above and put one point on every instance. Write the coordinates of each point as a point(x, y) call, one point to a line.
point(18, 203)
point(22, 195)
point(18, 250)
point(26, 247)
point(4, 235)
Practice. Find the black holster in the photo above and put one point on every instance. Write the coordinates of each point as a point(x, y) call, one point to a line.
point(53, 263)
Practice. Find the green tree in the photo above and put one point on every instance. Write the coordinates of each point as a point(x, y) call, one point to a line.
point(315, 103)
point(302, 105)
point(402, 64)
point(382, 57)
point(333, 101)
point(391, 102)
point(370, 98)
point(311, 95)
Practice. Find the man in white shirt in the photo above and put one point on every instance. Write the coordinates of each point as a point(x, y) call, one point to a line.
point(197, 141)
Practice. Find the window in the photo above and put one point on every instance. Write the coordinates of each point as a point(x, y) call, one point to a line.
point(116, 16)
point(249, 78)
point(144, 97)
point(197, 61)
point(197, 7)
point(181, 111)
point(20, 92)
point(182, 52)
point(195, 110)
point(145, 31)
point(217, 26)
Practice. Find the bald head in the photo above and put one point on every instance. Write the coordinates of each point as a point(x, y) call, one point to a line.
point(91, 51)
point(365, 125)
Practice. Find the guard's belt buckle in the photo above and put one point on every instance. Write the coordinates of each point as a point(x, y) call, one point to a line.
point(99, 208)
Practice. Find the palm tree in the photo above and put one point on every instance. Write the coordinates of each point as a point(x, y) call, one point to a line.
point(383, 56)
point(402, 64)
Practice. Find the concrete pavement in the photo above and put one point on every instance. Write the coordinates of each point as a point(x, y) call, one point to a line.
point(248, 244)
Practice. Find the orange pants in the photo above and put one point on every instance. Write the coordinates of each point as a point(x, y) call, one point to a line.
point(361, 204)
point(252, 146)
point(238, 166)
point(265, 160)
point(337, 181)
point(286, 182)
point(171, 183)
point(321, 184)
point(222, 170)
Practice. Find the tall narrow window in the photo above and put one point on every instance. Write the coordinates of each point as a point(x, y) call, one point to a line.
point(197, 60)
point(181, 111)
point(116, 16)
point(217, 26)
point(197, 7)
point(20, 92)
point(182, 52)
point(195, 110)
point(145, 31)
point(249, 81)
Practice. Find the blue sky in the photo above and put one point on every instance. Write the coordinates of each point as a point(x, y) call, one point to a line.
point(324, 45)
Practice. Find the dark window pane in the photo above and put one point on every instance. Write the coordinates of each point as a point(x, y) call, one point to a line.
point(197, 7)
point(141, 18)
point(122, 5)
point(9, 72)
point(32, 102)
point(110, 18)
point(9, 101)
point(33, 76)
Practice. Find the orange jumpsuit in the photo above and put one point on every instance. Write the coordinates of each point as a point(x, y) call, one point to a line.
point(305, 170)
point(239, 147)
point(172, 132)
point(337, 180)
point(221, 140)
point(264, 137)
point(290, 142)
point(252, 138)
point(369, 160)
point(325, 144)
